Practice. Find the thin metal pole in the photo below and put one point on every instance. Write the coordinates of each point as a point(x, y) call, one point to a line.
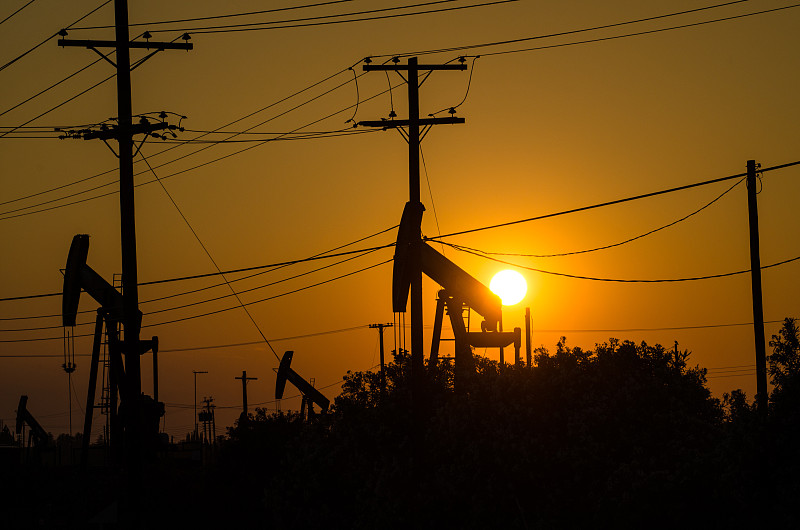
point(528, 336)
point(244, 391)
point(155, 375)
point(195, 372)
point(502, 350)
point(755, 281)
point(380, 328)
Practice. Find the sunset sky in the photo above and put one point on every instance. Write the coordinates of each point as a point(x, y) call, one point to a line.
point(552, 124)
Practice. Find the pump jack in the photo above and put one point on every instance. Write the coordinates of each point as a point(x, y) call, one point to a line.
point(310, 394)
point(80, 276)
point(459, 289)
point(37, 433)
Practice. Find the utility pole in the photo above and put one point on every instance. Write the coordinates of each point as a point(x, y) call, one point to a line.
point(245, 379)
point(412, 135)
point(195, 372)
point(380, 328)
point(755, 282)
point(123, 133)
point(528, 336)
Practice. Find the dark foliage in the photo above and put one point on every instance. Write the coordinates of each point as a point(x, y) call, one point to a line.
point(626, 435)
point(623, 436)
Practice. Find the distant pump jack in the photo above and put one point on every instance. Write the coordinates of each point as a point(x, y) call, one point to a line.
point(286, 373)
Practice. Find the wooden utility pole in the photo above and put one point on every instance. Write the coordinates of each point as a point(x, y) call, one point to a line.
point(412, 129)
point(762, 395)
point(380, 327)
point(245, 379)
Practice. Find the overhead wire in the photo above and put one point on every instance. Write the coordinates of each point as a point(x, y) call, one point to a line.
point(621, 280)
point(274, 296)
point(560, 33)
point(586, 29)
point(12, 61)
point(648, 32)
point(490, 227)
point(476, 46)
point(31, 98)
point(264, 286)
point(17, 11)
point(5, 215)
point(324, 20)
point(233, 271)
point(4, 134)
point(228, 15)
point(608, 203)
point(296, 93)
point(612, 245)
point(197, 348)
point(664, 328)
point(430, 190)
point(282, 138)
point(191, 317)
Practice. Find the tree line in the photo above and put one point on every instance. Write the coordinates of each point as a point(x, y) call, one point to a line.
point(624, 435)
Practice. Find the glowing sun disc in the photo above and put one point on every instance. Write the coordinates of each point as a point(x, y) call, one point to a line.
point(510, 286)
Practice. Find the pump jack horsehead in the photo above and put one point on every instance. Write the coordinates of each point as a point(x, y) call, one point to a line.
point(79, 276)
point(459, 289)
point(310, 394)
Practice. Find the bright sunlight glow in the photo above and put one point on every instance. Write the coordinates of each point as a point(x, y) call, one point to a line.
point(510, 286)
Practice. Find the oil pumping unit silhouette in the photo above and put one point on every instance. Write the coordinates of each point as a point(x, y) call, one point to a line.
point(80, 276)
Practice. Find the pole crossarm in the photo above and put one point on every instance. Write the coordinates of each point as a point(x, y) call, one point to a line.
point(393, 124)
point(405, 67)
point(113, 131)
point(147, 45)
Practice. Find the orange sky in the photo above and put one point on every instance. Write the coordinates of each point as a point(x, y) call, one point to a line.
point(546, 131)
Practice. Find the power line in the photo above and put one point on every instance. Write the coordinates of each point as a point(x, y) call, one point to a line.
point(186, 406)
point(483, 45)
point(46, 90)
point(605, 247)
point(305, 22)
point(197, 348)
point(639, 33)
point(280, 295)
point(730, 375)
point(271, 267)
point(229, 15)
point(76, 96)
point(282, 137)
point(564, 33)
point(296, 93)
point(12, 61)
point(254, 343)
point(5, 215)
point(670, 328)
point(608, 203)
point(180, 172)
point(17, 11)
point(272, 297)
point(260, 286)
point(620, 280)
point(490, 227)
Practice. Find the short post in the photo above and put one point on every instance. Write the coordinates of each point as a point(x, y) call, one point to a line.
point(245, 379)
point(528, 336)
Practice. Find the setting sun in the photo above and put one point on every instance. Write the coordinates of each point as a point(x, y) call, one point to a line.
point(510, 286)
